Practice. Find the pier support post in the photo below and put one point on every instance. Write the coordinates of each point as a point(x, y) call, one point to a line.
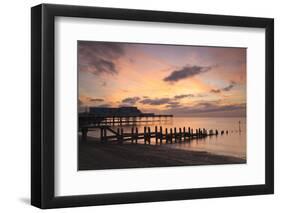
point(101, 134)
point(144, 135)
point(122, 136)
point(84, 134)
point(149, 135)
point(161, 135)
point(132, 135)
point(166, 133)
point(137, 134)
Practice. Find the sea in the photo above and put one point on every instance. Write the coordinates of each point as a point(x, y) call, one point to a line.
point(231, 144)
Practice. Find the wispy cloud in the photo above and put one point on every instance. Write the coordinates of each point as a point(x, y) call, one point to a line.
point(96, 99)
point(186, 72)
point(184, 96)
point(99, 57)
point(156, 101)
point(131, 100)
point(224, 89)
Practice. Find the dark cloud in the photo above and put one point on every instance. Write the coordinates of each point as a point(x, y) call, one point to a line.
point(224, 89)
point(156, 101)
point(99, 57)
point(184, 96)
point(186, 72)
point(173, 104)
point(96, 99)
point(131, 100)
point(215, 90)
point(229, 87)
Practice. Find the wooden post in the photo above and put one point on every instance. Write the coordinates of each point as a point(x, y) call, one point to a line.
point(166, 133)
point(144, 134)
point(217, 132)
point(161, 135)
point(101, 134)
point(156, 135)
point(122, 136)
point(171, 135)
point(149, 135)
point(84, 134)
point(132, 135)
point(189, 133)
point(137, 134)
point(180, 134)
point(184, 134)
point(104, 135)
point(175, 134)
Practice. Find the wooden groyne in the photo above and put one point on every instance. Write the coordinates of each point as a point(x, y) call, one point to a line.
point(161, 135)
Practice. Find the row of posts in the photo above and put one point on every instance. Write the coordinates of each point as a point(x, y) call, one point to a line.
point(170, 135)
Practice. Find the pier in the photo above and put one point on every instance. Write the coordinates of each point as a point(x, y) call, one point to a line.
point(111, 122)
point(161, 135)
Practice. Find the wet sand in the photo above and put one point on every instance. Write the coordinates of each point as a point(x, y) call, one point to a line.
point(96, 156)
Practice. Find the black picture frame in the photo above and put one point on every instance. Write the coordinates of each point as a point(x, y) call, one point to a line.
point(43, 117)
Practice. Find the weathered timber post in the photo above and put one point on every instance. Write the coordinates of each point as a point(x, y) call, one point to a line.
point(161, 135)
point(217, 132)
point(180, 134)
point(156, 135)
point(132, 135)
point(184, 134)
point(101, 134)
point(189, 133)
point(149, 135)
point(122, 136)
point(196, 133)
point(137, 134)
point(176, 135)
point(84, 134)
point(144, 134)
point(171, 135)
point(118, 135)
point(166, 133)
point(104, 135)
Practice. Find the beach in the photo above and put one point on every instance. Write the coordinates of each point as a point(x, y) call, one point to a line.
point(97, 156)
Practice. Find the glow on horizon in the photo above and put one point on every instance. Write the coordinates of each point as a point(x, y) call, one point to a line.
point(179, 80)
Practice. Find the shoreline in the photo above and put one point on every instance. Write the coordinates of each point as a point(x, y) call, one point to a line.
point(97, 156)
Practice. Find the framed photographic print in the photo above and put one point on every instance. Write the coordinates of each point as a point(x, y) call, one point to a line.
point(141, 106)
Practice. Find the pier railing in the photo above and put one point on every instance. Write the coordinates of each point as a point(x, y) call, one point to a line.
point(93, 120)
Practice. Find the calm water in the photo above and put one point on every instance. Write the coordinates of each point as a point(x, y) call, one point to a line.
point(233, 144)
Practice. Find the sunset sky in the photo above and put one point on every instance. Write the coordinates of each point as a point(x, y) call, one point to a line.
point(166, 79)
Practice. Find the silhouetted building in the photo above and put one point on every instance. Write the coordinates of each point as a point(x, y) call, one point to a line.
point(111, 111)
